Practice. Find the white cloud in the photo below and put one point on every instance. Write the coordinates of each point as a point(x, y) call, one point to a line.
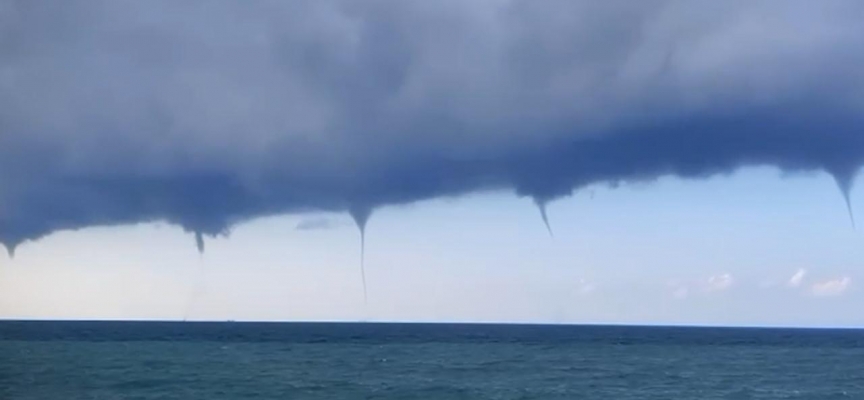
point(719, 282)
point(831, 287)
point(796, 280)
point(681, 289)
point(586, 287)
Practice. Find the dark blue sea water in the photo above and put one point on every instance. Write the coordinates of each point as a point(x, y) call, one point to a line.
point(148, 360)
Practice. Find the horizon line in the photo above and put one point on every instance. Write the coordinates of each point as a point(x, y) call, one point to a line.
point(467, 323)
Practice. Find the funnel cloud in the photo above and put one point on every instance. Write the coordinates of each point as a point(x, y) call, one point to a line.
point(361, 216)
point(207, 114)
point(199, 242)
point(541, 206)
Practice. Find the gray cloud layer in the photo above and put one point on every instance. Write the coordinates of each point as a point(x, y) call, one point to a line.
point(209, 113)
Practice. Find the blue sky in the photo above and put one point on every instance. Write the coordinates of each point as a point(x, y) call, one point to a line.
point(721, 251)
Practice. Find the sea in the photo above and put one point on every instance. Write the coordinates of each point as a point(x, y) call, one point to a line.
point(191, 360)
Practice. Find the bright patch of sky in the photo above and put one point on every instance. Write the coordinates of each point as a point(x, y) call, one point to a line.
point(752, 248)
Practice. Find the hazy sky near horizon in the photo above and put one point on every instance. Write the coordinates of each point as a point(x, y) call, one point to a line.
point(696, 160)
point(754, 248)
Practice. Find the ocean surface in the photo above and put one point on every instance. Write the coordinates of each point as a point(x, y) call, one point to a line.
point(156, 360)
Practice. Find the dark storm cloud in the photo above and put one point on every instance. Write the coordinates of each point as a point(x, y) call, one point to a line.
point(210, 113)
